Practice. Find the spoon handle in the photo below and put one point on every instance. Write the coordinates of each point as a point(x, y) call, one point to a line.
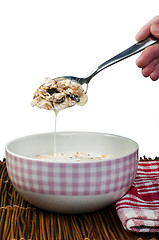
point(137, 47)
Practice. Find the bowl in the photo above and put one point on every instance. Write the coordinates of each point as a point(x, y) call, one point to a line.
point(72, 187)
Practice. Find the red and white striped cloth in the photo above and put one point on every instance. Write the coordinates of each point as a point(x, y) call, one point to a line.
point(138, 210)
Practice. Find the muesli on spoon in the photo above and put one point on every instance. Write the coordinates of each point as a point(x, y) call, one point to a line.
point(57, 95)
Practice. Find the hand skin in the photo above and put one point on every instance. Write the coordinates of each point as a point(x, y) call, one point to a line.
point(149, 58)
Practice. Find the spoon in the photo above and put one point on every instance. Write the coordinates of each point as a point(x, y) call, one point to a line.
point(137, 47)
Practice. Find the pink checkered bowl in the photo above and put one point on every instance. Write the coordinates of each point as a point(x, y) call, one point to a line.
point(72, 187)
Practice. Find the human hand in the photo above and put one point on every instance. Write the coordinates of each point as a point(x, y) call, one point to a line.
point(149, 58)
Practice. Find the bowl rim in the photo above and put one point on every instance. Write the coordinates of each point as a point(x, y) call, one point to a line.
point(8, 151)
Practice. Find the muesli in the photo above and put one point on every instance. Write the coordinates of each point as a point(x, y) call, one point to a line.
point(57, 95)
point(74, 157)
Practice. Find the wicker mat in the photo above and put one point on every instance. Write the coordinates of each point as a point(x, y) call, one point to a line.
point(21, 221)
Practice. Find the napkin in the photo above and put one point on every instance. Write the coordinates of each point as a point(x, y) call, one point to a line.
point(138, 210)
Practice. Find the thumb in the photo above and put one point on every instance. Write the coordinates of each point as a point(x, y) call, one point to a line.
point(155, 30)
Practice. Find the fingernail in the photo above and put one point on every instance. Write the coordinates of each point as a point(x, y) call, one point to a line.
point(155, 29)
point(136, 37)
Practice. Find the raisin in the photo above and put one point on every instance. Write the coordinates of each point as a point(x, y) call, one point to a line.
point(61, 100)
point(52, 104)
point(52, 91)
point(75, 98)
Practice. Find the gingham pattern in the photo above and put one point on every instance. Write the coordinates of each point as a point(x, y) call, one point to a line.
point(72, 178)
point(138, 210)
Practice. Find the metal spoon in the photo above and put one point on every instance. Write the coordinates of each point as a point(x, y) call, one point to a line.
point(137, 47)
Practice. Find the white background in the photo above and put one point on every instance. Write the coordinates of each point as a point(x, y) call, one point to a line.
point(52, 38)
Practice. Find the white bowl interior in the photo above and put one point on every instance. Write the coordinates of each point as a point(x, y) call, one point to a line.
point(43, 143)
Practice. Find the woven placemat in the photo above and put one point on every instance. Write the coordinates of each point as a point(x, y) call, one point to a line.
point(21, 221)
